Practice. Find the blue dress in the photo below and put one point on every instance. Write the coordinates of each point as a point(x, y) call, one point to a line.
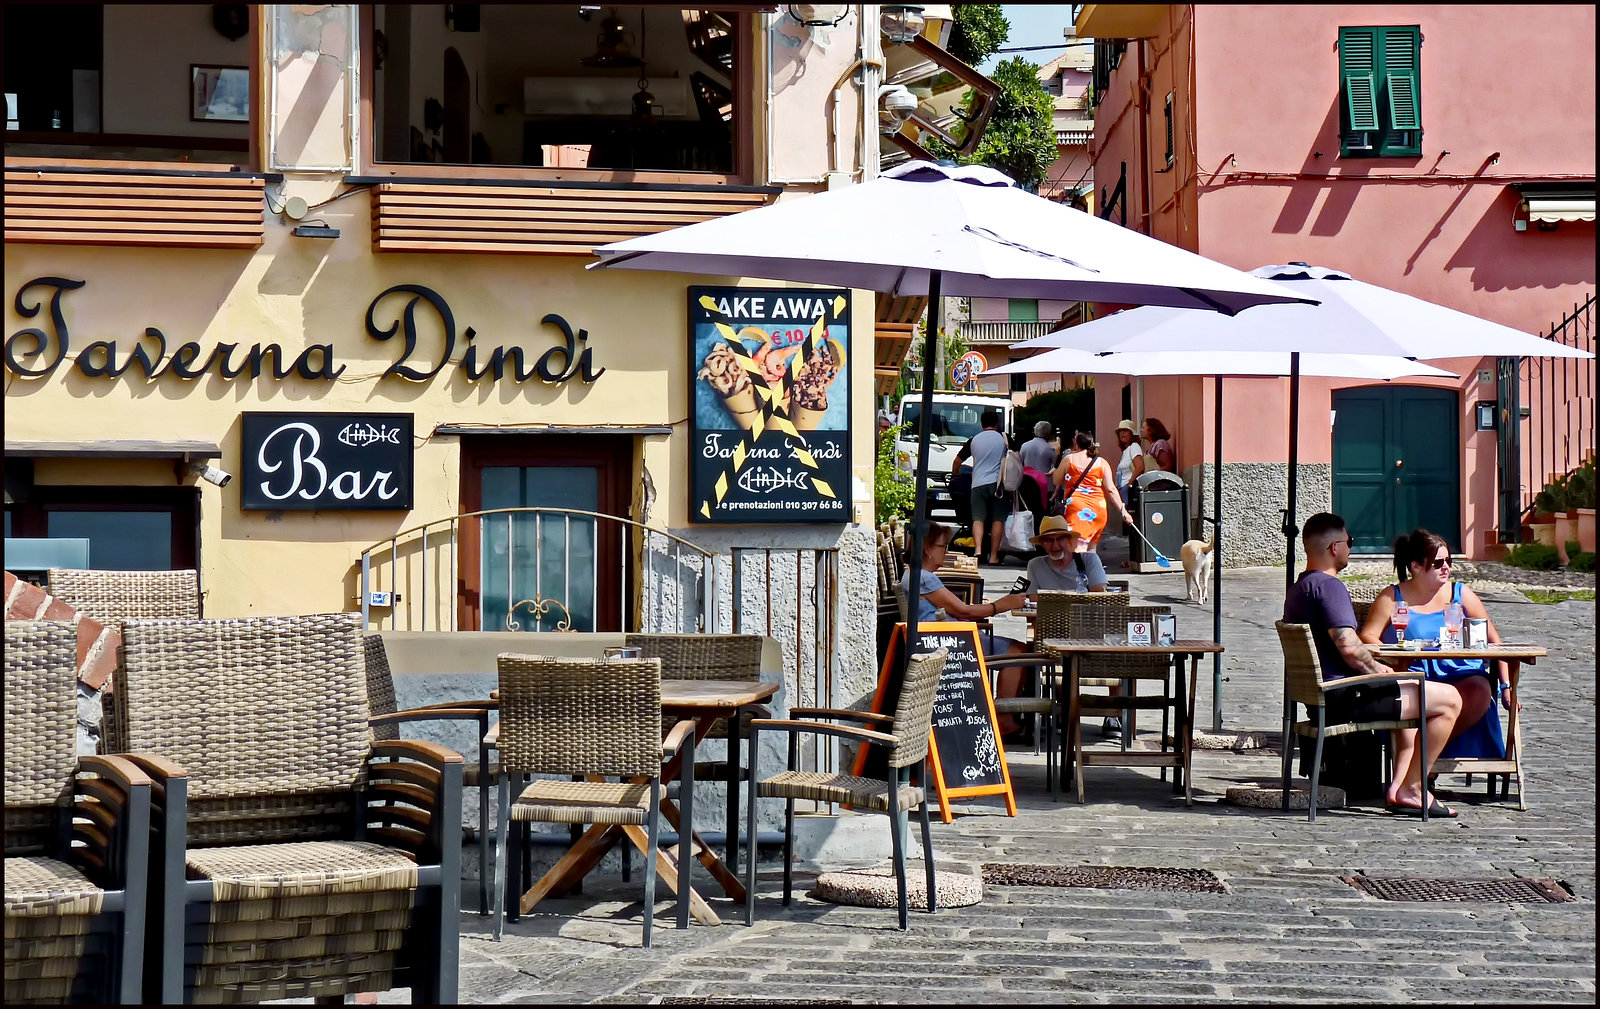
point(1485, 739)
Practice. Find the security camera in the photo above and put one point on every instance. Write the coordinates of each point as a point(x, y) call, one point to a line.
point(211, 474)
point(895, 105)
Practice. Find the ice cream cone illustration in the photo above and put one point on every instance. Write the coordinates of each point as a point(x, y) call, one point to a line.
point(725, 373)
point(810, 394)
point(743, 405)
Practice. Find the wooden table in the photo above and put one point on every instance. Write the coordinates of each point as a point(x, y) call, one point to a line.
point(1513, 655)
point(703, 701)
point(1074, 649)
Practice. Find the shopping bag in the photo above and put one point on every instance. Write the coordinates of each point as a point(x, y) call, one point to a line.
point(1018, 532)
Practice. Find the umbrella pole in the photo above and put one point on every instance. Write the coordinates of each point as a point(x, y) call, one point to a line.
point(919, 514)
point(1290, 530)
point(1216, 565)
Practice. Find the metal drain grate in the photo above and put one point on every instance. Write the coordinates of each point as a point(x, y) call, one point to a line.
point(1105, 877)
point(712, 1000)
point(1537, 891)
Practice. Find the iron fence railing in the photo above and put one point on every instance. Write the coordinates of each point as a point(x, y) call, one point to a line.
point(1558, 396)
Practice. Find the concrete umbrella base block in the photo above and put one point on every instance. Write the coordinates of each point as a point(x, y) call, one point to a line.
point(1261, 797)
point(875, 887)
point(1230, 741)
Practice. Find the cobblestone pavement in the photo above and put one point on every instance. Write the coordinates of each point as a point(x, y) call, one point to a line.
point(1288, 929)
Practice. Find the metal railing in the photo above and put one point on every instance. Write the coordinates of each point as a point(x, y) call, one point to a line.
point(666, 583)
point(1005, 332)
point(1559, 397)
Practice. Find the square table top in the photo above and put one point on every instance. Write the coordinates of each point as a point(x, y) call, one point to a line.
point(1096, 646)
point(1524, 651)
point(715, 693)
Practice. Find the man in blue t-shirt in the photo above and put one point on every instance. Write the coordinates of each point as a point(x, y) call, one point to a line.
point(1321, 600)
point(989, 507)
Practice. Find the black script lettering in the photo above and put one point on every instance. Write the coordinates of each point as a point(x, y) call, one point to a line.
point(183, 358)
point(408, 321)
point(221, 357)
point(569, 354)
point(152, 367)
point(87, 365)
point(41, 339)
point(302, 364)
point(586, 360)
point(258, 356)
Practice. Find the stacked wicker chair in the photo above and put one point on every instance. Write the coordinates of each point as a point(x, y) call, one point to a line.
point(1094, 621)
point(1054, 620)
point(77, 849)
point(480, 773)
point(114, 596)
point(904, 734)
point(297, 857)
point(713, 657)
point(1303, 684)
point(588, 719)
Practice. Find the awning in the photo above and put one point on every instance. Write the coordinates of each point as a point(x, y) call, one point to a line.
point(1555, 204)
point(187, 451)
point(568, 429)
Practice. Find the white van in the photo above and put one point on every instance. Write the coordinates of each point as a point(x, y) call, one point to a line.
point(956, 418)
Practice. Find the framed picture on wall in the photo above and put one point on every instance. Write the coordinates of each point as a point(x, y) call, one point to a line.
point(219, 94)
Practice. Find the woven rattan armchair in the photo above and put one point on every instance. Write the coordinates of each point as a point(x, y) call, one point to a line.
point(1104, 670)
point(713, 657)
point(589, 719)
point(1303, 684)
point(905, 735)
point(296, 856)
point(480, 773)
point(77, 848)
point(1053, 619)
point(114, 596)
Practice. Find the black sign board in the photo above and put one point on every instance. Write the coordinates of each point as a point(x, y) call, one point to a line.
point(769, 414)
point(966, 753)
point(326, 461)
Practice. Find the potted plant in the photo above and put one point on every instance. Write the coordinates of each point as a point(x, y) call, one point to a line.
point(1550, 514)
point(1580, 503)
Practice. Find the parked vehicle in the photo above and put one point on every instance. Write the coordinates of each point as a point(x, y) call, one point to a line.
point(957, 416)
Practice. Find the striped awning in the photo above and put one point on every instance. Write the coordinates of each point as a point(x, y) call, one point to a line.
point(1555, 204)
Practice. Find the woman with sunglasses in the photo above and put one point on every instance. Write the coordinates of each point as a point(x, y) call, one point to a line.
point(1422, 562)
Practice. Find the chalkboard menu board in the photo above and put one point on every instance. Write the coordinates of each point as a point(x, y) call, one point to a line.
point(967, 757)
point(769, 414)
point(326, 461)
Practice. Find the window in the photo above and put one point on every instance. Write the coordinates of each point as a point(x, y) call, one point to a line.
point(128, 528)
point(1022, 310)
point(1380, 92)
point(591, 89)
point(130, 82)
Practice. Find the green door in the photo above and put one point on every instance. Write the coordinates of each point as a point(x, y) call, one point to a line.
point(1396, 463)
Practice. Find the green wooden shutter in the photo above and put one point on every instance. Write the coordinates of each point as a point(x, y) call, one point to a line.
point(1358, 69)
point(1402, 78)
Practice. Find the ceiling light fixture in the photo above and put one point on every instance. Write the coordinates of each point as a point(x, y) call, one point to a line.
point(819, 15)
point(613, 46)
point(901, 23)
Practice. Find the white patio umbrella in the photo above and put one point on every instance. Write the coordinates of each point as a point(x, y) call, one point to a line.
point(1220, 364)
point(928, 229)
point(1351, 317)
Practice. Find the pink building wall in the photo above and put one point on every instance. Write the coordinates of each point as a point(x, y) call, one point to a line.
point(1507, 97)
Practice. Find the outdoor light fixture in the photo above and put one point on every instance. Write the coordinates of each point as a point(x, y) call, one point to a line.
point(819, 15)
point(895, 105)
point(613, 46)
point(901, 22)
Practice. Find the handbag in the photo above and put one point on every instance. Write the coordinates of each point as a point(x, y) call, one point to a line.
point(1060, 507)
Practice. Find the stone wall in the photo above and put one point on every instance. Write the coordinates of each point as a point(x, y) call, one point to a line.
point(1253, 497)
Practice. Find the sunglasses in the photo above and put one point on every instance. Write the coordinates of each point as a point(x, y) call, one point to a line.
point(1439, 562)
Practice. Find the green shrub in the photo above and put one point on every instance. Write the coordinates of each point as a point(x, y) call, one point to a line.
point(1067, 411)
point(1534, 557)
point(1574, 548)
point(1580, 561)
point(893, 493)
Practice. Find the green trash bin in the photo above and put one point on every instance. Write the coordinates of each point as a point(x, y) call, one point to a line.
point(1163, 516)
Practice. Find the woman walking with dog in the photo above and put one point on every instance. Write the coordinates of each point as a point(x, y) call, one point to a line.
point(1090, 488)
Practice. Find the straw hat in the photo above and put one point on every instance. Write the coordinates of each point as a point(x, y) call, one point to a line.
point(1127, 426)
point(1053, 525)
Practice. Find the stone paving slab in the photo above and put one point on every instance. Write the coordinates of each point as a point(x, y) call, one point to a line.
point(1288, 930)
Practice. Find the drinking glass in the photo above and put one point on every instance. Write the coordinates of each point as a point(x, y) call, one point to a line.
point(1401, 620)
point(1452, 623)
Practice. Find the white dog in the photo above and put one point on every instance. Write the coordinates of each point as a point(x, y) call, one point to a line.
point(1196, 569)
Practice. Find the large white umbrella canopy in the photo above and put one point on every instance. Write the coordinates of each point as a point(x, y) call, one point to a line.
point(972, 225)
point(935, 230)
point(1235, 363)
point(1352, 318)
point(1257, 364)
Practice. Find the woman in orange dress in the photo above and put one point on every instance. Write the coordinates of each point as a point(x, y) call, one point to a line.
point(1095, 495)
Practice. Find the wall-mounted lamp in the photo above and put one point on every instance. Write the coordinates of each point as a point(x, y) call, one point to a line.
point(901, 22)
point(895, 105)
point(819, 15)
point(315, 231)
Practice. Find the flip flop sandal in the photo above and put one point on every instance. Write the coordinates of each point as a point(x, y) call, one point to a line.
point(1438, 809)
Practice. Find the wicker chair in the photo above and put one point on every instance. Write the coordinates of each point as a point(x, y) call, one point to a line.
point(114, 596)
point(307, 867)
point(712, 657)
point(1054, 620)
point(1095, 621)
point(77, 849)
point(1303, 684)
point(905, 735)
point(480, 773)
point(585, 718)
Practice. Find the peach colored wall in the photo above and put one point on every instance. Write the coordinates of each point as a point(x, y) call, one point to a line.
point(1255, 187)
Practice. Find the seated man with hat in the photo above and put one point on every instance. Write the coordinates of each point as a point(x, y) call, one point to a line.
point(1063, 568)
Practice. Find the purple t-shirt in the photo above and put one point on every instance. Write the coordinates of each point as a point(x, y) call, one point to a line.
point(1321, 600)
